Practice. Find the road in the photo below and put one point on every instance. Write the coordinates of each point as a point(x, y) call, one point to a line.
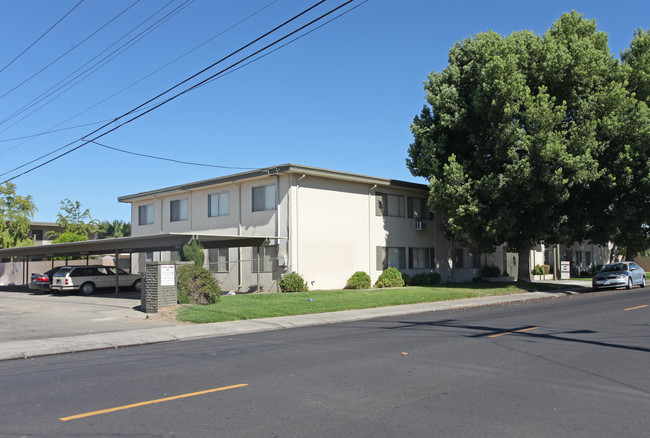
point(575, 366)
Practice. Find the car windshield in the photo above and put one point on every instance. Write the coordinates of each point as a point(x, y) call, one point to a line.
point(614, 267)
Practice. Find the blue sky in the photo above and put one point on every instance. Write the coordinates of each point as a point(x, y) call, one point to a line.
point(340, 98)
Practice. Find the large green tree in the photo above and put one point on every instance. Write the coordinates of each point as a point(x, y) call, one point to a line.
point(515, 134)
point(16, 212)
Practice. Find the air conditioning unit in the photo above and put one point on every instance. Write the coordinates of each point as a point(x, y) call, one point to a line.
point(420, 226)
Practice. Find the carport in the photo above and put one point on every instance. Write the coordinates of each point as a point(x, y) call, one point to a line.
point(130, 245)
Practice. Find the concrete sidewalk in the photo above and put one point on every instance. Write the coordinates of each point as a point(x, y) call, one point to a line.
point(34, 324)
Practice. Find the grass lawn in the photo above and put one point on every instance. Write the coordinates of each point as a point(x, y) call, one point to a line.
point(266, 305)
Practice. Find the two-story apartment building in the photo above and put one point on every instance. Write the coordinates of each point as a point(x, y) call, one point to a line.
point(325, 225)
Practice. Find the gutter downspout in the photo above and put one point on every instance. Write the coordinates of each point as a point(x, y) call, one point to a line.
point(239, 267)
point(297, 219)
point(370, 203)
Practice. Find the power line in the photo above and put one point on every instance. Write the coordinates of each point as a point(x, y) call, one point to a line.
point(70, 50)
point(95, 67)
point(170, 159)
point(86, 141)
point(39, 38)
point(52, 129)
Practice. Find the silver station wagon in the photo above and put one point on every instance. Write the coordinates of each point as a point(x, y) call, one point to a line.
point(88, 278)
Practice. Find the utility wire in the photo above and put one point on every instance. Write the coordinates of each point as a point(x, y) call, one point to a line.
point(70, 50)
point(87, 141)
point(52, 129)
point(99, 64)
point(169, 159)
point(39, 38)
point(144, 104)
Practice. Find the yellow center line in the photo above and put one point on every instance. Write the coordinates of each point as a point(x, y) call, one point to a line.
point(135, 405)
point(515, 331)
point(638, 307)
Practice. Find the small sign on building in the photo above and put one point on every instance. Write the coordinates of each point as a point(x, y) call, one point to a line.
point(565, 270)
point(167, 275)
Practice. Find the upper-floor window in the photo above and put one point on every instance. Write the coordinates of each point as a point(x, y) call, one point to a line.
point(417, 208)
point(145, 214)
point(264, 198)
point(218, 204)
point(178, 210)
point(390, 205)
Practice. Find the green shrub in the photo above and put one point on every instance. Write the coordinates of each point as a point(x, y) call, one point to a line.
point(406, 278)
point(426, 279)
point(197, 285)
point(391, 277)
point(293, 282)
point(490, 271)
point(538, 270)
point(192, 252)
point(546, 269)
point(359, 280)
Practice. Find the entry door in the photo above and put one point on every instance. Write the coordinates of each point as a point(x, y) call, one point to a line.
point(511, 264)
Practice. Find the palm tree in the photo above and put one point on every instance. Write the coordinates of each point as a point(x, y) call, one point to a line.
point(117, 228)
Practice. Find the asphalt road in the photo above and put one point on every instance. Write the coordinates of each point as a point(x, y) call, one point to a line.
point(576, 366)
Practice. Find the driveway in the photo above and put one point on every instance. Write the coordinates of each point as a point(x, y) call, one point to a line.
point(26, 314)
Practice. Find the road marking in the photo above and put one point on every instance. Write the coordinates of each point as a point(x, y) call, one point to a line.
point(150, 402)
point(638, 307)
point(515, 331)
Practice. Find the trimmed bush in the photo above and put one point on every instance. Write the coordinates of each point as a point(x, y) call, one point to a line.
point(426, 279)
point(197, 285)
point(490, 271)
point(293, 282)
point(406, 278)
point(192, 252)
point(538, 270)
point(546, 269)
point(359, 280)
point(391, 277)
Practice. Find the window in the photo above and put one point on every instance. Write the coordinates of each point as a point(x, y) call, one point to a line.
point(390, 205)
point(417, 208)
point(178, 210)
point(264, 198)
point(145, 214)
point(475, 260)
point(218, 204)
point(218, 260)
point(421, 258)
point(391, 257)
point(268, 258)
point(37, 235)
point(458, 258)
point(588, 259)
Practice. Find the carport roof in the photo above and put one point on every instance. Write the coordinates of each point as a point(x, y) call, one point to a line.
point(148, 243)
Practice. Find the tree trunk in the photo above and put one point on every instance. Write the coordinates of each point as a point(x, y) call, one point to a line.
point(523, 272)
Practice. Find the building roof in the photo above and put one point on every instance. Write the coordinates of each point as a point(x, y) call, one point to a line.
point(275, 170)
point(148, 243)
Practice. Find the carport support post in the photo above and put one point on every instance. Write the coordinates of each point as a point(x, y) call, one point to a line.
point(258, 269)
point(117, 275)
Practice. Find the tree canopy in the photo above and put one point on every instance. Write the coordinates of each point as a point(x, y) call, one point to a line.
point(117, 228)
point(74, 220)
point(529, 138)
point(16, 212)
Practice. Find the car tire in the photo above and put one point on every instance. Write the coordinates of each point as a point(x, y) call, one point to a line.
point(643, 282)
point(629, 283)
point(137, 285)
point(87, 288)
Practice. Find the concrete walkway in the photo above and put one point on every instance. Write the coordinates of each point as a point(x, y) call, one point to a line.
point(34, 324)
